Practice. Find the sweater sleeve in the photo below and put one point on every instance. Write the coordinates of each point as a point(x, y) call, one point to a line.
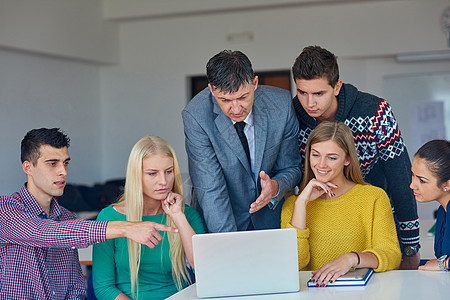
point(302, 234)
point(104, 266)
point(397, 167)
point(384, 239)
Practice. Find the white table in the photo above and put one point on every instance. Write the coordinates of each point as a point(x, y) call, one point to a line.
point(387, 285)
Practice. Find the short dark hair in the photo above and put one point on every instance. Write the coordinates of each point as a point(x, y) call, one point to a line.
point(316, 62)
point(229, 70)
point(35, 138)
point(436, 154)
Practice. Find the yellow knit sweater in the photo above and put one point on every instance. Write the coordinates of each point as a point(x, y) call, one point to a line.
point(361, 220)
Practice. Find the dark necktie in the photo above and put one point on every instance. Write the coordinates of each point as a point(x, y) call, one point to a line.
point(239, 126)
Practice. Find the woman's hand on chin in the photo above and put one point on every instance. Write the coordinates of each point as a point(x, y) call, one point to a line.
point(314, 189)
point(172, 205)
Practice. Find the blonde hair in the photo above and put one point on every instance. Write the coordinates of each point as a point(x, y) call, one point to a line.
point(134, 204)
point(341, 134)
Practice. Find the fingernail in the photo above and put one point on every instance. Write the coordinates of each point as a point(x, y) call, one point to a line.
point(313, 280)
point(323, 284)
point(317, 285)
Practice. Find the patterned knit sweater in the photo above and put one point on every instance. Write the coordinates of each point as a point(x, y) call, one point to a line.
point(382, 153)
point(360, 220)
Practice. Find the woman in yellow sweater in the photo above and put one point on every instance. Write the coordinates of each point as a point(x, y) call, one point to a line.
point(341, 221)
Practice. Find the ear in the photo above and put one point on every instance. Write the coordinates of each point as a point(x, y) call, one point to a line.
point(255, 82)
point(211, 88)
point(27, 167)
point(337, 88)
point(446, 185)
point(347, 161)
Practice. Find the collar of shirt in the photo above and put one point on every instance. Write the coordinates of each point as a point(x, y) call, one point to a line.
point(33, 207)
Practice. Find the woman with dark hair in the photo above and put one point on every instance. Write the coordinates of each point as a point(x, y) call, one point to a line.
point(431, 182)
point(341, 221)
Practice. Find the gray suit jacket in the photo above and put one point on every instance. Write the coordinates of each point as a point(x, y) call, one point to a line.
point(223, 182)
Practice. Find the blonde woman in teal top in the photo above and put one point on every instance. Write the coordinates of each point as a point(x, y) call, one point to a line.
point(123, 269)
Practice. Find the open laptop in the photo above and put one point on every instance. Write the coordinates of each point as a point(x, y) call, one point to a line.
point(246, 263)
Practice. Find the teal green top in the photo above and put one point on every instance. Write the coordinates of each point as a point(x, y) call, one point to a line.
point(111, 271)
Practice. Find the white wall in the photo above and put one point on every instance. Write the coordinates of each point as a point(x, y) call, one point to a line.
point(40, 92)
point(45, 80)
point(65, 28)
point(355, 28)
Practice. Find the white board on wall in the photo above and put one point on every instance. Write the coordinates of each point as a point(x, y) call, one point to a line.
point(407, 93)
point(426, 121)
point(421, 104)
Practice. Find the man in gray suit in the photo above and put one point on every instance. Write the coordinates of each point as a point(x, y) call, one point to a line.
point(241, 141)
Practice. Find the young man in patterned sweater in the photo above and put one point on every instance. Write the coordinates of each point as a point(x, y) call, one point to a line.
point(382, 153)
